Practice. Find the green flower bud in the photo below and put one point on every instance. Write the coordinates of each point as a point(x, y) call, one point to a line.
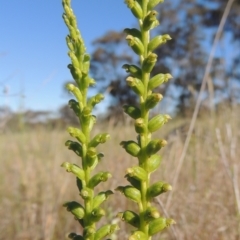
point(151, 213)
point(92, 157)
point(76, 72)
point(157, 41)
point(140, 126)
point(152, 100)
point(136, 44)
point(69, 43)
point(77, 133)
point(95, 100)
point(86, 63)
point(100, 198)
point(150, 21)
point(86, 193)
point(76, 170)
point(74, 146)
point(138, 235)
point(153, 3)
point(97, 214)
point(74, 59)
point(159, 224)
point(130, 192)
point(149, 62)
point(79, 184)
point(97, 178)
point(130, 217)
point(133, 112)
point(153, 163)
point(157, 189)
point(133, 70)
point(131, 147)
point(135, 8)
point(75, 208)
point(88, 232)
point(134, 32)
point(155, 145)
point(157, 122)
point(136, 85)
point(157, 80)
point(137, 173)
point(75, 90)
point(99, 138)
point(75, 106)
point(88, 119)
point(135, 183)
point(105, 230)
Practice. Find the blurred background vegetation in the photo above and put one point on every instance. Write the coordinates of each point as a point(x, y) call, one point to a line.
point(205, 202)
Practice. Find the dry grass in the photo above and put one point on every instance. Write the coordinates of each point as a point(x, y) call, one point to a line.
point(33, 186)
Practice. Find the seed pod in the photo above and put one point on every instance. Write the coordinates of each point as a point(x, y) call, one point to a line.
point(137, 173)
point(153, 163)
point(136, 85)
point(95, 100)
point(130, 217)
point(105, 230)
point(138, 235)
point(151, 213)
point(134, 32)
point(75, 146)
point(133, 70)
point(75, 208)
point(76, 170)
point(76, 91)
point(155, 145)
point(150, 21)
point(159, 224)
point(130, 192)
point(74, 59)
point(152, 100)
point(77, 133)
point(100, 198)
point(99, 138)
point(97, 178)
point(136, 44)
point(157, 122)
point(157, 80)
point(157, 41)
point(75, 106)
point(131, 147)
point(140, 126)
point(157, 189)
point(153, 3)
point(135, 8)
point(96, 215)
point(132, 111)
point(92, 157)
point(149, 62)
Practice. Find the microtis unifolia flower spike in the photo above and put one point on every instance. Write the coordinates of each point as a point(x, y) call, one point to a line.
point(146, 219)
point(88, 212)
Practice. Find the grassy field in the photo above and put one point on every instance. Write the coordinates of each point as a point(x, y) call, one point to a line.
point(204, 203)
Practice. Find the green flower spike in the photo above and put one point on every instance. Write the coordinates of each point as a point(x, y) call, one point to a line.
point(89, 211)
point(146, 219)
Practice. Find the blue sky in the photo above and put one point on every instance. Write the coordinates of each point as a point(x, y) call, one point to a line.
point(33, 53)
